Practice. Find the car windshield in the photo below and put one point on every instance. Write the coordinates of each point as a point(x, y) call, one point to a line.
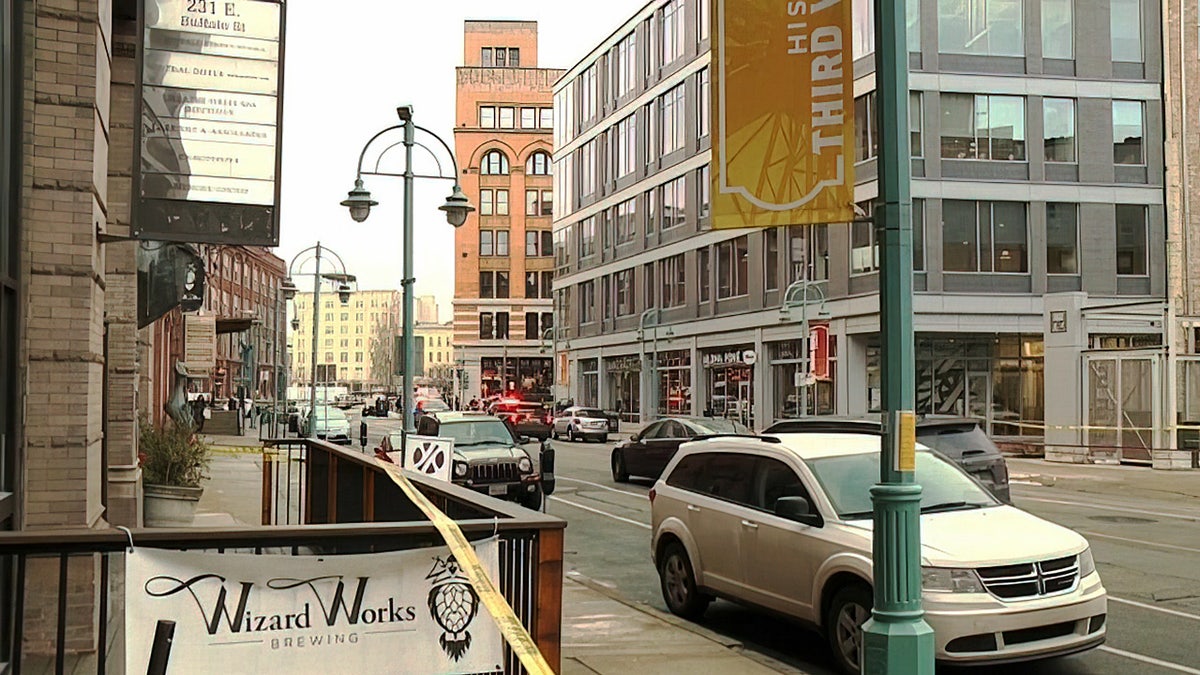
point(434, 405)
point(718, 425)
point(476, 432)
point(329, 414)
point(594, 413)
point(847, 481)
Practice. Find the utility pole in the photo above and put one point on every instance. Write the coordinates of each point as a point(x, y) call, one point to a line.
point(896, 639)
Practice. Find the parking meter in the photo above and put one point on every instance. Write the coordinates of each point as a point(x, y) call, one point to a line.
point(547, 468)
point(362, 434)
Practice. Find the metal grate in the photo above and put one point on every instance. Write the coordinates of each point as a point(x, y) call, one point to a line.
point(1031, 580)
point(499, 471)
point(517, 582)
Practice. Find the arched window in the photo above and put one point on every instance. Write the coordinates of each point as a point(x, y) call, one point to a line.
point(495, 163)
point(538, 164)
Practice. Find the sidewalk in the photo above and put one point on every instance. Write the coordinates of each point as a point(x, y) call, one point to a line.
point(601, 634)
point(1127, 481)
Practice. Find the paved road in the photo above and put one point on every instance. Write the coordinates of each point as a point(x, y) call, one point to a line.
point(1145, 551)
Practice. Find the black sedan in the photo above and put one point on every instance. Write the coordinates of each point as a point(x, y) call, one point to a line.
point(647, 453)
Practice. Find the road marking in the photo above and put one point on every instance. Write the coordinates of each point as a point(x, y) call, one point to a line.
point(1102, 507)
point(1164, 610)
point(1149, 659)
point(606, 514)
point(1140, 541)
point(643, 495)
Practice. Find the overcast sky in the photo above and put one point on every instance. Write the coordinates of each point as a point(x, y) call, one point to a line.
point(348, 65)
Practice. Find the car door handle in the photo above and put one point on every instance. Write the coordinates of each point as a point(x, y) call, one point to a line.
point(752, 526)
point(694, 509)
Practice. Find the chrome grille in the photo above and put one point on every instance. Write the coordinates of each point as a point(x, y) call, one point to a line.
point(494, 472)
point(1031, 580)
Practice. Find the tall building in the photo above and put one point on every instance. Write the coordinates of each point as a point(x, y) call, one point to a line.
point(1013, 207)
point(426, 309)
point(503, 269)
point(354, 344)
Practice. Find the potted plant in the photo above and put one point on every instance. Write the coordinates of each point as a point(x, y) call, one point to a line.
point(173, 460)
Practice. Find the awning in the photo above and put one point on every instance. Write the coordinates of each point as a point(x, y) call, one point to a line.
point(228, 325)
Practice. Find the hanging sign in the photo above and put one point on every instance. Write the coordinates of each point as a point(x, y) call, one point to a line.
point(211, 90)
point(783, 106)
point(427, 455)
point(409, 611)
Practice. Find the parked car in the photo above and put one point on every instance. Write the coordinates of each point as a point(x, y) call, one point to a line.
point(329, 423)
point(530, 418)
point(784, 522)
point(578, 422)
point(488, 456)
point(960, 439)
point(648, 452)
point(431, 405)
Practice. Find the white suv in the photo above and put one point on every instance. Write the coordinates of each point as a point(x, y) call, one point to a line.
point(784, 522)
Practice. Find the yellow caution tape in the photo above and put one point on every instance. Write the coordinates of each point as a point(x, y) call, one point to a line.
point(510, 626)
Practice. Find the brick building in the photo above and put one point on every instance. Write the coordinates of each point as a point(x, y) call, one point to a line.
point(504, 271)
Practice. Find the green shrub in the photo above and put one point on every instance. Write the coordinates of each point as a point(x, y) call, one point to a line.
point(171, 455)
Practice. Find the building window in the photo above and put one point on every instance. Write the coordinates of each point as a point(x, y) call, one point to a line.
point(487, 326)
point(487, 242)
point(1131, 240)
point(981, 27)
point(625, 146)
point(866, 128)
point(587, 93)
point(538, 164)
point(702, 27)
point(918, 227)
point(487, 117)
point(674, 202)
point(538, 203)
point(501, 325)
point(704, 98)
point(1058, 129)
point(532, 241)
point(587, 302)
point(808, 252)
point(547, 243)
point(546, 118)
point(501, 284)
point(547, 285)
point(529, 118)
point(514, 57)
point(704, 264)
point(502, 242)
point(733, 259)
point(1058, 29)
point(623, 292)
point(626, 64)
point(862, 28)
point(671, 111)
point(507, 117)
point(703, 183)
point(650, 114)
point(531, 326)
point(587, 237)
point(671, 19)
point(495, 163)
point(1062, 238)
point(502, 202)
point(864, 249)
point(983, 127)
point(984, 237)
point(587, 168)
point(771, 259)
point(485, 57)
point(626, 217)
point(1127, 132)
point(915, 122)
point(531, 284)
point(1125, 20)
point(674, 281)
point(649, 286)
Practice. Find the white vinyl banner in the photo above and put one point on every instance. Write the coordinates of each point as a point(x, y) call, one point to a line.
point(402, 612)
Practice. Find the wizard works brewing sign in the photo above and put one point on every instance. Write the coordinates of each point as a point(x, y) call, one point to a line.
point(403, 612)
point(211, 93)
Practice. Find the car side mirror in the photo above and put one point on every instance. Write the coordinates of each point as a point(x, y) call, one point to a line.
point(546, 465)
point(797, 509)
point(635, 438)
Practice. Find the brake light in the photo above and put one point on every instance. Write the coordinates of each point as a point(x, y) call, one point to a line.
point(653, 494)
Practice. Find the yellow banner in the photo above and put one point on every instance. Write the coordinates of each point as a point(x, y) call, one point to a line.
point(783, 107)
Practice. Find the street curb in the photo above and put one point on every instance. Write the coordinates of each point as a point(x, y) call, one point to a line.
point(736, 646)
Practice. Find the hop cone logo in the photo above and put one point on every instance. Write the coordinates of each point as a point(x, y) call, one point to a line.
point(453, 604)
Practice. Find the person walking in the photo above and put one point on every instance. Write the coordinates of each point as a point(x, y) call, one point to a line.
point(198, 407)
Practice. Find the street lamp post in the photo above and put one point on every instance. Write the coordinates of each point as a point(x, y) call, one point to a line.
point(896, 639)
point(343, 280)
point(457, 207)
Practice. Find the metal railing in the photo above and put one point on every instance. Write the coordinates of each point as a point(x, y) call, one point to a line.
point(317, 498)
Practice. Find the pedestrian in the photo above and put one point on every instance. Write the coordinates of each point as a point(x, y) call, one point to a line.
point(198, 407)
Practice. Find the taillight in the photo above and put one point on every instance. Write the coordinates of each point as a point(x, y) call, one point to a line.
point(653, 494)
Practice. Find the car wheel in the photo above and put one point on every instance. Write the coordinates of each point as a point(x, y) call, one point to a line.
point(571, 434)
point(604, 438)
point(679, 584)
point(553, 434)
point(850, 609)
point(619, 473)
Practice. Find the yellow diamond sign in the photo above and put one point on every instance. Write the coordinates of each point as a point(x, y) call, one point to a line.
point(783, 103)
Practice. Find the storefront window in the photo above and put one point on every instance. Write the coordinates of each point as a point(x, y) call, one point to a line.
point(675, 383)
point(803, 389)
point(624, 386)
point(730, 384)
point(589, 382)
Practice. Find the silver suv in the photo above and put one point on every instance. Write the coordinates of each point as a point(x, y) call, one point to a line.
point(784, 522)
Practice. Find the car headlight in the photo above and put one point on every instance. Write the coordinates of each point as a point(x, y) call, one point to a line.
point(460, 470)
point(950, 580)
point(525, 465)
point(1087, 564)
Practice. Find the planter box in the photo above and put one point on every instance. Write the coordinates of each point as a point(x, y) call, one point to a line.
point(170, 506)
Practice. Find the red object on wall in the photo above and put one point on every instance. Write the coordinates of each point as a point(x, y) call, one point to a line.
point(818, 351)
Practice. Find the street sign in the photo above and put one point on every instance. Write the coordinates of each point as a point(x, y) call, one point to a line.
point(749, 357)
point(818, 350)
